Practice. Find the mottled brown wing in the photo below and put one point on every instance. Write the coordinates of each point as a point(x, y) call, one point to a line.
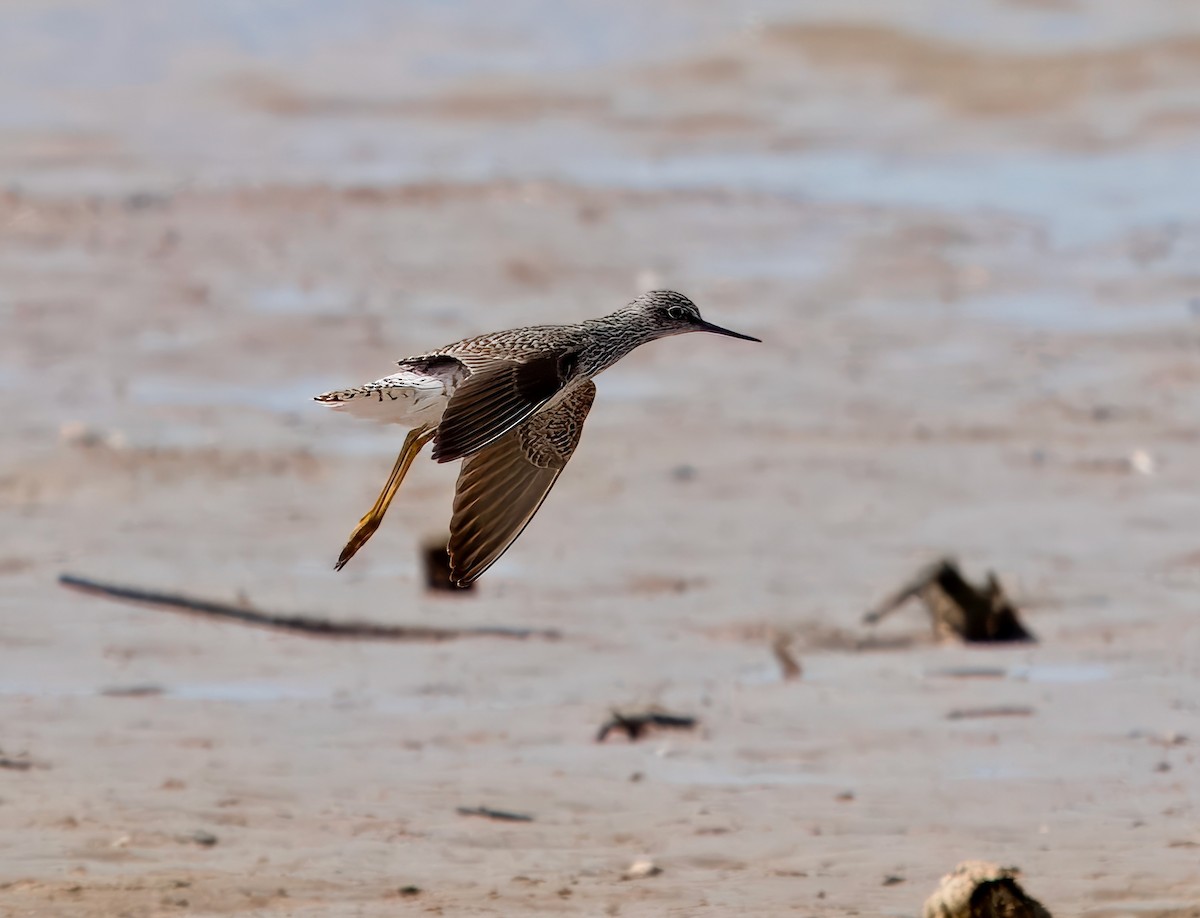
point(501, 487)
point(497, 396)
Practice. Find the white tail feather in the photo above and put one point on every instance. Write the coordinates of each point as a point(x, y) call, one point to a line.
point(404, 398)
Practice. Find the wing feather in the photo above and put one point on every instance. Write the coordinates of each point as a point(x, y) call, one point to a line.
point(499, 394)
point(501, 486)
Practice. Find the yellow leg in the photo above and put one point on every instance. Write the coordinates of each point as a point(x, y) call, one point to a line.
point(413, 444)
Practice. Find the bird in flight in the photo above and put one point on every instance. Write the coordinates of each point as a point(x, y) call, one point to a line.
point(511, 405)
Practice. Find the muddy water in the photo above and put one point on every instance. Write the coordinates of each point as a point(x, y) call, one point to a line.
point(968, 234)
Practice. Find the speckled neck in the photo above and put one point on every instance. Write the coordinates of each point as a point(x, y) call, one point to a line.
point(615, 335)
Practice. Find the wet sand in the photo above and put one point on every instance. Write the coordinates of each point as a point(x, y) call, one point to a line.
point(969, 238)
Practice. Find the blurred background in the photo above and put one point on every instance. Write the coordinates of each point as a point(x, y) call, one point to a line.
point(969, 235)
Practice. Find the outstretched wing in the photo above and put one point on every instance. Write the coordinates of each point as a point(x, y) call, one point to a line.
point(502, 486)
point(499, 394)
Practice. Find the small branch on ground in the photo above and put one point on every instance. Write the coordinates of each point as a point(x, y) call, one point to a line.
point(789, 666)
point(959, 608)
point(489, 813)
point(634, 725)
point(21, 762)
point(296, 624)
point(1005, 710)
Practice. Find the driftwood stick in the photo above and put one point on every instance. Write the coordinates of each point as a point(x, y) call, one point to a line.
point(488, 813)
point(296, 624)
point(924, 577)
point(635, 725)
point(958, 608)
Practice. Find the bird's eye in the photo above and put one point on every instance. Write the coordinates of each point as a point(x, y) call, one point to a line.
point(676, 312)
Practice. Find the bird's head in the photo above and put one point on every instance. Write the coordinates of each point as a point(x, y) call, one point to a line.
point(665, 312)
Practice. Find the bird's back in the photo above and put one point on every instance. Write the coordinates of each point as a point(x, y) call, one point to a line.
point(521, 343)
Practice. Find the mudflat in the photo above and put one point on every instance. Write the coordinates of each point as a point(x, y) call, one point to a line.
point(969, 241)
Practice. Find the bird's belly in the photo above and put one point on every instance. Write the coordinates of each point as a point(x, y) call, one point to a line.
point(407, 398)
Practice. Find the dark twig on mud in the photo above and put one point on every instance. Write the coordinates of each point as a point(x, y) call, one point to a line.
point(489, 813)
point(297, 624)
point(958, 608)
point(634, 725)
point(789, 666)
point(1003, 710)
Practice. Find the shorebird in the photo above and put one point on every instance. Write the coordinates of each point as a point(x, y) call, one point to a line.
point(511, 405)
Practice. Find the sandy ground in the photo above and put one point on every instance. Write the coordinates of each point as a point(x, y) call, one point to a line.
point(968, 234)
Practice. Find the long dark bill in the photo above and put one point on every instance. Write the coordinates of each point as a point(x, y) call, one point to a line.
point(718, 330)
